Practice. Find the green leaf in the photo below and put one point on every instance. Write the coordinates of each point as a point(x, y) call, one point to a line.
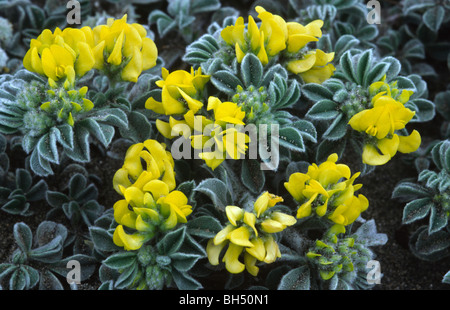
point(23, 179)
point(184, 281)
point(81, 149)
point(23, 236)
point(377, 72)
point(112, 116)
point(48, 253)
point(216, 190)
point(184, 262)
point(434, 17)
point(139, 128)
point(64, 135)
point(291, 139)
point(172, 241)
point(346, 65)
point(307, 130)
point(47, 148)
point(102, 239)
point(252, 176)
point(37, 192)
point(438, 219)
point(323, 110)
point(49, 281)
point(364, 64)
point(446, 278)
point(120, 260)
point(56, 199)
point(328, 147)
point(225, 81)
point(425, 110)
point(337, 129)
point(203, 226)
point(296, 279)
point(406, 191)
point(39, 165)
point(251, 70)
point(316, 92)
point(103, 132)
point(428, 244)
point(416, 209)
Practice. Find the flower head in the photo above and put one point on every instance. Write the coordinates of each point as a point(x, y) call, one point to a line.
point(123, 47)
point(61, 55)
point(150, 202)
point(275, 36)
point(250, 234)
point(381, 122)
point(180, 92)
point(328, 190)
point(222, 137)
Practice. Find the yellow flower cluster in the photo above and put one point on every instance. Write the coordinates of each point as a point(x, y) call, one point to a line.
point(181, 95)
point(150, 202)
point(328, 190)
point(380, 123)
point(274, 36)
point(218, 140)
point(63, 55)
point(250, 233)
point(180, 92)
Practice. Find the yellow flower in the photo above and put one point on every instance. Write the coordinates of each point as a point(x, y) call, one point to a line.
point(179, 92)
point(389, 90)
point(314, 67)
point(159, 164)
point(328, 190)
point(225, 112)
point(222, 137)
point(386, 116)
point(150, 202)
point(123, 45)
point(249, 233)
point(386, 148)
point(61, 54)
point(175, 207)
point(266, 41)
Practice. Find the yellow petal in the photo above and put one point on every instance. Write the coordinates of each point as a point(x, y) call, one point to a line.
point(133, 69)
point(149, 53)
point(258, 250)
point(86, 60)
point(272, 250)
point(411, 143)
point(234, 214)
point(213, 251)
point(157, 188)
point(302, 65)
point(250, 264)
point(129, 242)
point(231, 259)
point(270, 226)
point(296, 185)
point(115, 58)
point(389, 146)
point(240, 236)
point(372, 157)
